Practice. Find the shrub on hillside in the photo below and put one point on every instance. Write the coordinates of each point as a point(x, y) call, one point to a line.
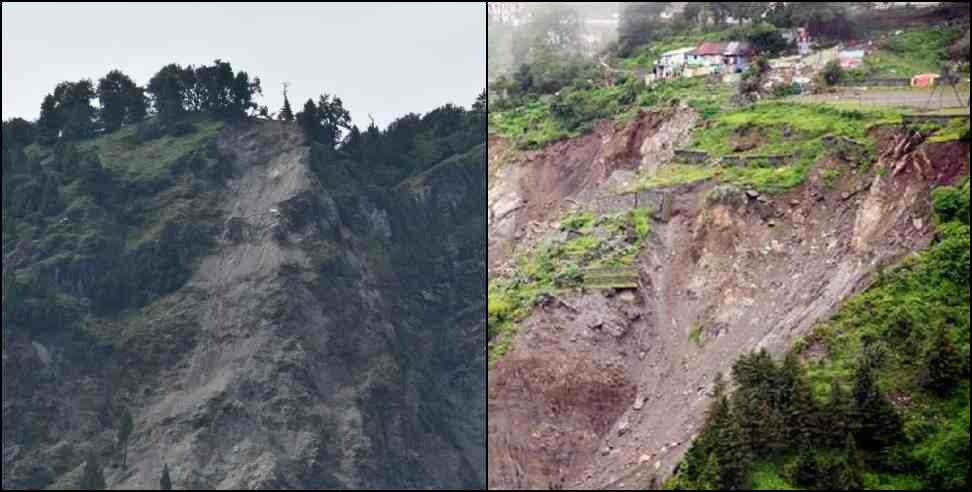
point(832, 74)
point(787, 90)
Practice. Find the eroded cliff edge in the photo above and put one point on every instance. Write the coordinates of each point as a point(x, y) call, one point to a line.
point(330, 337)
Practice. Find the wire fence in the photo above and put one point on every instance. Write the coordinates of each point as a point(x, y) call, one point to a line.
point(944, 97)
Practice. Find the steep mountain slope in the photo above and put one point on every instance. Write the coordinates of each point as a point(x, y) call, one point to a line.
point(306, 331)
point(590, 388)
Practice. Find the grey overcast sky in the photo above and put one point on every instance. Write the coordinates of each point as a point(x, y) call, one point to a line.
point(387, 59)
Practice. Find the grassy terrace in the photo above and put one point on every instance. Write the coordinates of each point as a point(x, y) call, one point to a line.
point(595, 253)
point(772, 128)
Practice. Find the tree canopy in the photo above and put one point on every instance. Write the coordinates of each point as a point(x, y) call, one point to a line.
point(121, 101)
point(214, 88)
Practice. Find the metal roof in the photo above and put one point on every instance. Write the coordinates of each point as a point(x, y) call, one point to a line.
point(709, 49)
point(682, 51)
point(734, 48)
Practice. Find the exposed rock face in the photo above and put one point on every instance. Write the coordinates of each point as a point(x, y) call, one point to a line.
point(533, 187)
point(591, 410)
point(332, 339)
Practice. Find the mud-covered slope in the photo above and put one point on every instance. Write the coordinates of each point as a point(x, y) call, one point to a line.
point(527, 189)
point(324, 341)
point(606, 391)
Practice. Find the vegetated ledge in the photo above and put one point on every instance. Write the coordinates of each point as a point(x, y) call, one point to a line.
point(591, 252)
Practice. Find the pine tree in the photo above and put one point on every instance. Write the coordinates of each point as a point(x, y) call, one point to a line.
point(806, 472)
point(697, 458)
point(51, 121)
point(334, 119)
point(849, 471)
point(136, 107)
point(710, 477)
point(876, 423)
point(310, 121)
point(838, 414)
point(115, 95)
point(286, 114)
point(74, 102)
point(169, 93)
point(721, 458)
point(757, 401)
point(165, 483)
point(943, 362)
point(735, 457)
point(480, 105)
point(92, 478)
point(801, 412)
point(126, 426)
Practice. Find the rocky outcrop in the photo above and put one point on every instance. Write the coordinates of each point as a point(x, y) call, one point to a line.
point(536, 187)
point(330, 339)
point(730, 272)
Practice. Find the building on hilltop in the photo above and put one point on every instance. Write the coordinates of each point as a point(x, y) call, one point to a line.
point(671, 65)
point(722, 58)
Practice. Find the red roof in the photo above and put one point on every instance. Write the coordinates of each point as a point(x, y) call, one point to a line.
point(709, 49)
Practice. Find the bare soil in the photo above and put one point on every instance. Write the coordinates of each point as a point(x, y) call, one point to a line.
point(610, 396)
point(531, 188)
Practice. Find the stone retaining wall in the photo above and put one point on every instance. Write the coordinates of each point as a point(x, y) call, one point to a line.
point(698, 157)
point(658, 202)
point(691, 156)
point(748, 161)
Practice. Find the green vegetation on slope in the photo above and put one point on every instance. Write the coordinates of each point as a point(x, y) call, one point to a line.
point(887, 408)
point(145, 162)
point(910, 53)
point(773, 129)
point(104, 223)
point(783, 129)
point(113, 205)
point(536, 121)
point(605, 246)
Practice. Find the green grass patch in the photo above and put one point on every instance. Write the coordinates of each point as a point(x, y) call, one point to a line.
point(768, 475)
point(830, 176)
point(150, 161)
point(954, 130)
point(676, 175)
point(763, 179)
point(574, 112)
point(641, 223)
point(577, 222)
point(528, 127)
point(709, 99)
point(778, 129)
point(767, 180)
point(599, 258)
point(910, 53)
point(696, 335)
point(804, 125)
